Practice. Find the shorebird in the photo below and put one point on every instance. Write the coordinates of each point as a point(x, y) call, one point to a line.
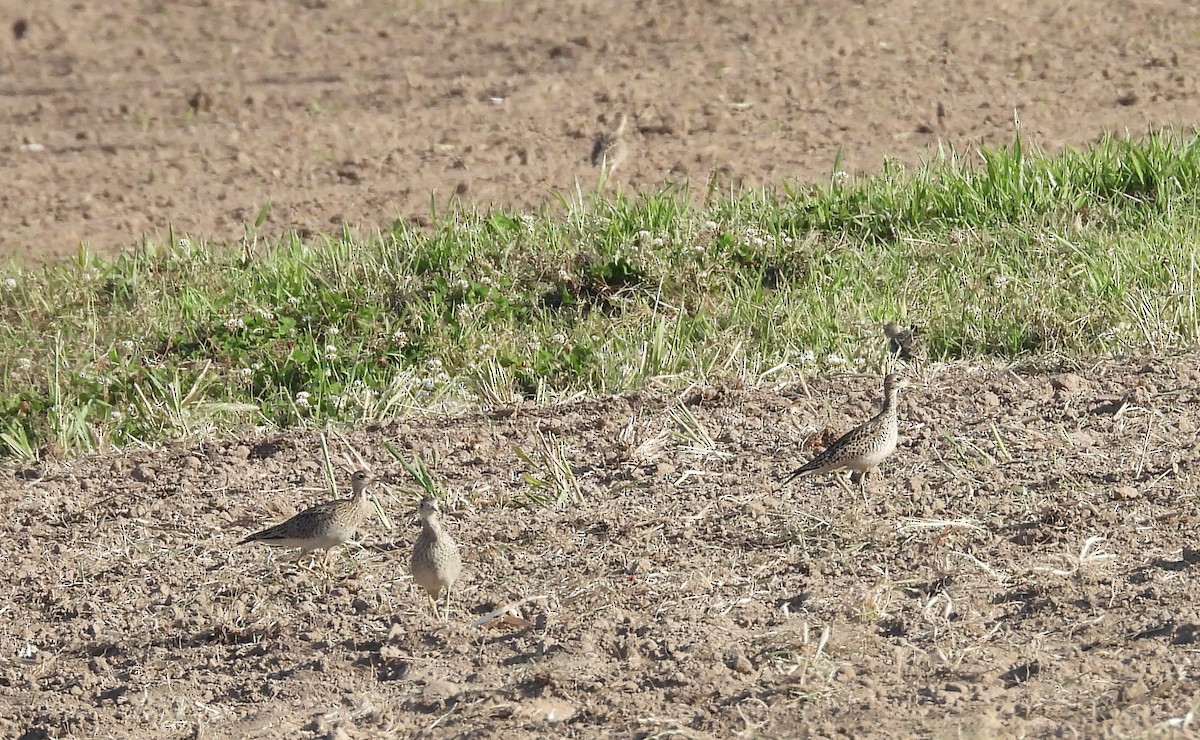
point(435, 563)
point(610, 149)
point(323, 526)
point(863, 448)
point(904, 344)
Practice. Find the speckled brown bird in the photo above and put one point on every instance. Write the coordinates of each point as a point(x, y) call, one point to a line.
point(862, 449)
point(904, 344)
point(323, 526)
point(610, 149)
point(435, 563)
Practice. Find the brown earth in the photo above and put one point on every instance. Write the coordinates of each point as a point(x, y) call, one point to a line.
point(123, 118)
point(1025, 566)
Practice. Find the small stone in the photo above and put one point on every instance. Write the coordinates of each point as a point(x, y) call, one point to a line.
point(1069, 382)
point(741, 664)
point(144, 474)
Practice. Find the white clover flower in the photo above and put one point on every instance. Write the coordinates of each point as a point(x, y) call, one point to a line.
point(428, 384)
point(10, 283)
point(302, 399)
point(293, 300)
point(462, 284)
point(710, 225)
point(559, 338)
point(433, 365)
point(331, 352)
point(115, 415)
point(185, 243)
point(841, 177)
point(246, 372)
point(234, 322)
point(834, 358)
point(332, 331)
point(442, 378)
point(807, 356)
point(338, 402)
point(125, 346)
point(24, 363)
point(485, 280)
point(399, 337)
point(643, 235)
point(265, 314)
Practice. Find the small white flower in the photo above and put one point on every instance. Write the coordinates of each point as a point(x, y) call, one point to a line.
point(462, 284)
point(332, 331)
point(399, 337)
point(710, 225)
point(115, 415)
point(246, 372)
point(433, 365)
point(338, 402)
point(841, 177)
point(265, 314)
point(234, 322)
point(24, 363)
point(125, 346)
point(428, 384)
point(293, 300)
point(185, 243)
point(10, 283)
point(806, 357)
point(441, 378)
point(331, 350)
point(834, 359)
point(559, 338)
point(302, 399)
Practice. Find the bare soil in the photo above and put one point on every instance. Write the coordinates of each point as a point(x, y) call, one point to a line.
point(1024, 566)
point(123, 118)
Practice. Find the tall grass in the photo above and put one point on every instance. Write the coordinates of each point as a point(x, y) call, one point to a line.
point(1008, 253)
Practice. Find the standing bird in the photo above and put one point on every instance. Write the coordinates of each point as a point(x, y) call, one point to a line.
point(863, 448)
point(435, 562)
point(323, 526)
point(610, 149)
point(904, 344)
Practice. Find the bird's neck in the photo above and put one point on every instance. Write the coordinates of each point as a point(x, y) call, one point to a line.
point(890, 402)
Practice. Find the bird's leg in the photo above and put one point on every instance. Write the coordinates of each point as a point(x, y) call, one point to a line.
point(841, 481)
point(446, 613)
point(862, 484)
point(432, 603)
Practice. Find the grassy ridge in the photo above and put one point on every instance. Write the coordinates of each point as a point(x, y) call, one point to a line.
point(1017, 254)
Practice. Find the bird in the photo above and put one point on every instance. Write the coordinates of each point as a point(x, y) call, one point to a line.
point(904, 344)
point(863, 448)
point(609, 150)
point(323, 526)
point(435, 563)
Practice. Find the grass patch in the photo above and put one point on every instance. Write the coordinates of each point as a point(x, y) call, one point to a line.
point(1015, 254)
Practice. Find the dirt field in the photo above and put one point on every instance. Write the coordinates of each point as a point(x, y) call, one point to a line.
point(121, 118)
point(1025, 567)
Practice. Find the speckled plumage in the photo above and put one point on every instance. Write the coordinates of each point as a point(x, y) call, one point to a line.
point(435, 563)
point(904, 344)
point(609, 150)
point(322, 526)
point(863, 448)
